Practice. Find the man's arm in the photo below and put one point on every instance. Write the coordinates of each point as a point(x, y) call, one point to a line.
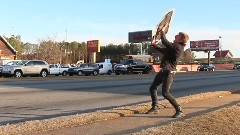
point(156, 45)
point(160, 49)
point(164, 40)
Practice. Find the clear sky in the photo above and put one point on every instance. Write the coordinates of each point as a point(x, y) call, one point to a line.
point(110, 20)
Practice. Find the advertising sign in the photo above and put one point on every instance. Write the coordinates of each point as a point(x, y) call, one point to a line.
point(204, 45)
point(139, 36)
point(166, 19)
point(93, 46)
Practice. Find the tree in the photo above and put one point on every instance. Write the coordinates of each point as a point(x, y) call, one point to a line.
point(74, 49)
point(188, 56)
point(82, 51)
point(49, 50)
point(29, 51)
point(15, 42)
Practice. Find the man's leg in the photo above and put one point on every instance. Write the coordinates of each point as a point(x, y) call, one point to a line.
point(153, 91)
point(167, 82)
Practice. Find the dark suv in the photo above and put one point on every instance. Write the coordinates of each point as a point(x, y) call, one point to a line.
point(128, 66)
point(206, 67)
point(84, 69)
point(236, 66)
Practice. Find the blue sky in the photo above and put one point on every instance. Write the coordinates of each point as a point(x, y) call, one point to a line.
point(110, 20)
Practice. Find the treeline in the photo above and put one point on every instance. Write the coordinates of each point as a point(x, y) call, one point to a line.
point(71, 52)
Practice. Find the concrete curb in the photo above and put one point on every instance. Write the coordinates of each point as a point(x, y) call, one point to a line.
point(86, 118)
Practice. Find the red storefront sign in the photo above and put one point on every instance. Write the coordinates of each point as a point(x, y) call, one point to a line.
point(93, 46)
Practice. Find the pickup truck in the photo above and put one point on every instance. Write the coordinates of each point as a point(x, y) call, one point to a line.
point(128, 66)
point(59, 69)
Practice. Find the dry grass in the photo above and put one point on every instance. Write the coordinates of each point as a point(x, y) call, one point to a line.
point(34, 126)
point(225, 121)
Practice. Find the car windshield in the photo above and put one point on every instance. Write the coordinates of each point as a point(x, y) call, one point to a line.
point(22, 62)
point(203, 65)
point(206, 65)
point(237, 64)
point(64, 66)
point(12, 63)
point(81, 65)
point(93, 65)
point(125, 62)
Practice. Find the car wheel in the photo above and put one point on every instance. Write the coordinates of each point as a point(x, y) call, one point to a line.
point(213, 69)
point(146, 71)
point(109, 72)
point(18, 74)
point(95, 73)
point(117, 72)
point(80, 73)
point(64, 73)
point(129, 71)
point(43, 73)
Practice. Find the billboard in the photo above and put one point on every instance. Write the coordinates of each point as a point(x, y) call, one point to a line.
point(93, 46)
point(139, 36)
point(204, 45)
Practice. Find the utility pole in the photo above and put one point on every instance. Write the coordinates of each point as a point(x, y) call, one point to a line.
point(66, 34)
point(220, 48)
point(66, 52)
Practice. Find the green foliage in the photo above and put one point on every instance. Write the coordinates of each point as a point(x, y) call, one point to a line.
point(16, 43)
point(188, 56)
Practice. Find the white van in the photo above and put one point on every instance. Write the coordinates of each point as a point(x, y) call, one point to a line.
point(105, 68)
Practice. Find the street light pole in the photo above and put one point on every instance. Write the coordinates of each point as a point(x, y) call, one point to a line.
point(220, 47)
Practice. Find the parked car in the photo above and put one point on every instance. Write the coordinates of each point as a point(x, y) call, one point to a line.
point(10, 62)
point(27, 67)
point(206, 67)
point(105, 68)
point(128, 66)
point(1, 71)
point(236, 66)
point(84, 69)
point(59, 69)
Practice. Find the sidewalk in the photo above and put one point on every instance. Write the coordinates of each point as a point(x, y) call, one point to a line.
point(137, 122)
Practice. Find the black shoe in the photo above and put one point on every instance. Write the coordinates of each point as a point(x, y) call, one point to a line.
point(153, 110)
point(178, 114)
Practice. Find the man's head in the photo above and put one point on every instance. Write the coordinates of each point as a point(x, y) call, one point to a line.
point(181, 38)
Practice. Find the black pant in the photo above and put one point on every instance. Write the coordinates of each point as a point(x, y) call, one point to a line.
point(164, 78)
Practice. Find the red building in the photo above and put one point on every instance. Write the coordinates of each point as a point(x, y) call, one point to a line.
point(223, 54)
point(7, 52)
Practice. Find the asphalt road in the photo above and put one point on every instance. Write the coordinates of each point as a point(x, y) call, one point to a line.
point(35, 98)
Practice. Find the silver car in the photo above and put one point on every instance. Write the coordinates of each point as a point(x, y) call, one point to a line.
point(27, 67)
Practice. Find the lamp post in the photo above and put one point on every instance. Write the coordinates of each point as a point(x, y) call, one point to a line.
point(220, 47)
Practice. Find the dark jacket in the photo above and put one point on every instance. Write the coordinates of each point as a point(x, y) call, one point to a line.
point(171, 53)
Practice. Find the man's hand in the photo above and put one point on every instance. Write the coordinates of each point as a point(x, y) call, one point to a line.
point(165, 28)
point(154, 42)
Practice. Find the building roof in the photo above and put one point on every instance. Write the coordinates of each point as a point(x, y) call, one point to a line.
point(7, 52)
point(222, 53)
point(7, 44)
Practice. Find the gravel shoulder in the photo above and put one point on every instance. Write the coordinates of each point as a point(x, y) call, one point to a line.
point(133, 120)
